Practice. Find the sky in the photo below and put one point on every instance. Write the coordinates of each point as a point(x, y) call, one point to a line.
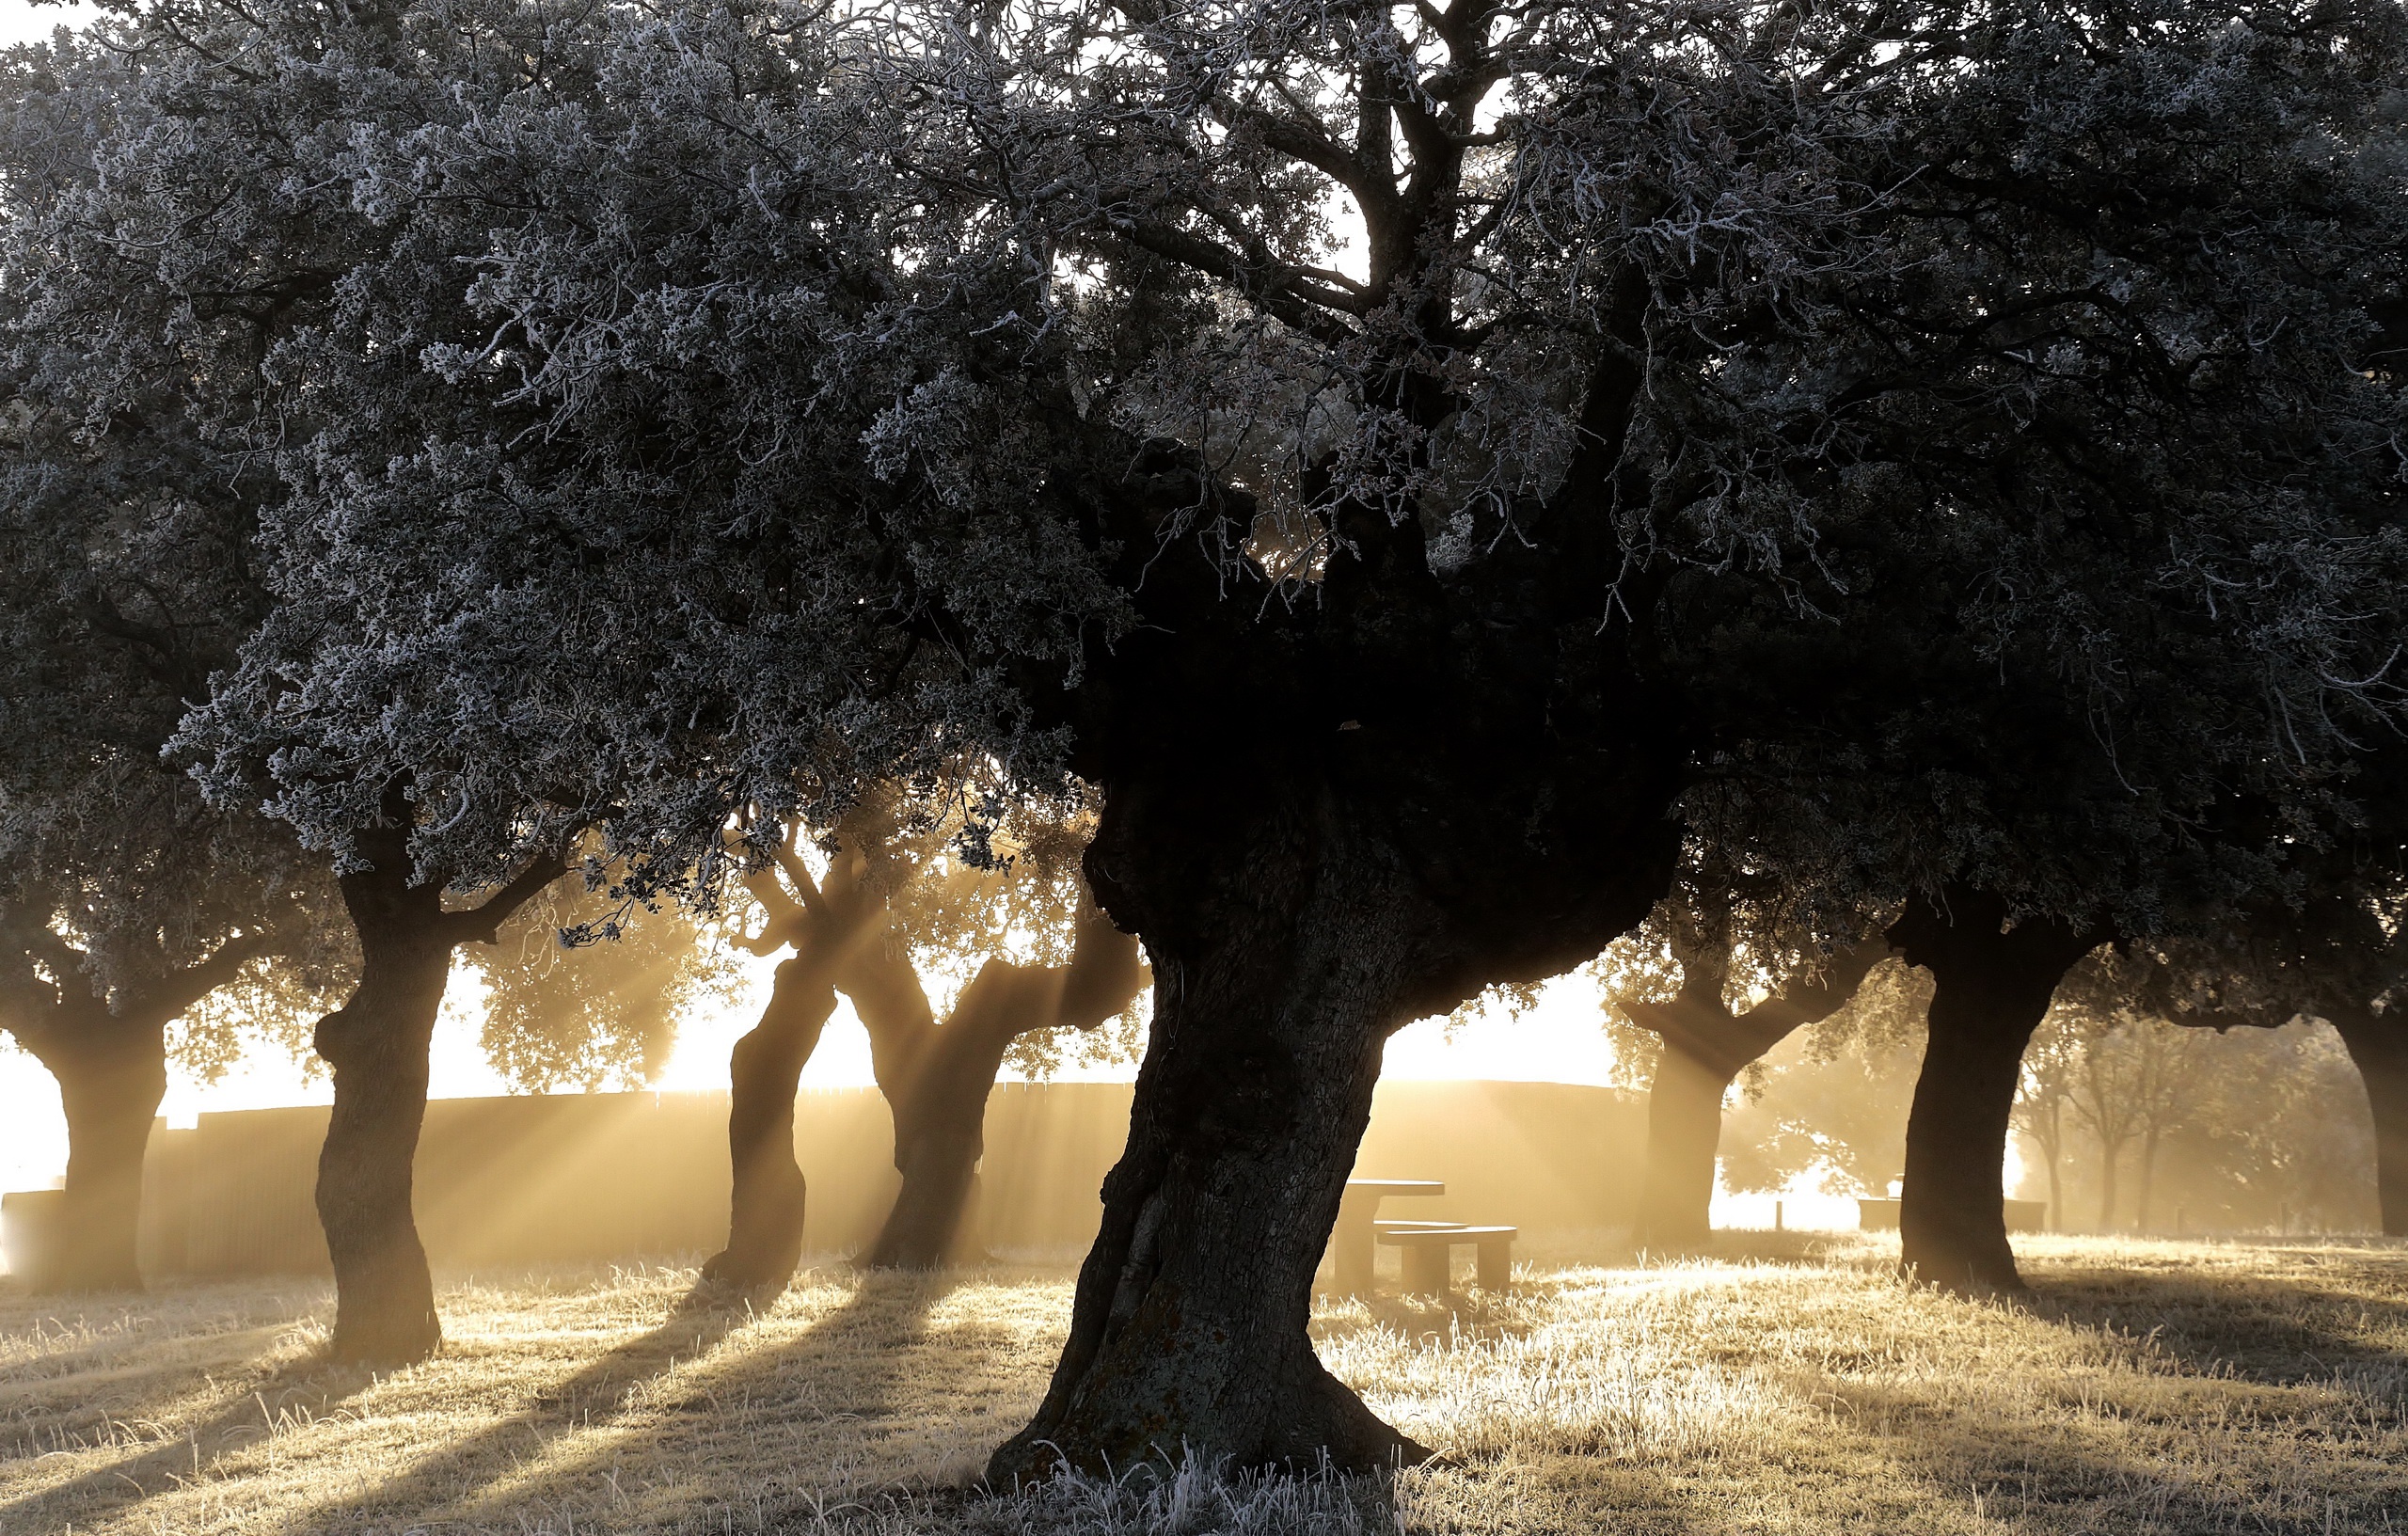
point(23, 23)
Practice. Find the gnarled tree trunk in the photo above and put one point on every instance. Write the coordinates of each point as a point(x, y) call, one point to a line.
point(1705, 1046)
point(2378, 1043)
point(1189, 1328)
point(938, 1080)
point(111, 1074)
point(1990, 990)
point(765, 1205)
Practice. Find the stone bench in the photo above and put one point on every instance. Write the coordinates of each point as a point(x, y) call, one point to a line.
point(1429, 1247)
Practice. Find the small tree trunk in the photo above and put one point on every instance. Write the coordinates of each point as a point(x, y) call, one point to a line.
point(2147, 1181)
point(2110, 1154)
point(1990, 990)
point(1684, 1129)
point(2378, 1043)
point(377, 1045)
point(941, 1113)
point(111, 1074)
point(765, 1205)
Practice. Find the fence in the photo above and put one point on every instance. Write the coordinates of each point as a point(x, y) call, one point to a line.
point(579, 1177)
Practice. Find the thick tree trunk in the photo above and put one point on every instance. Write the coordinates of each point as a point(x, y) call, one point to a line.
point(1990, 990)
point(1189, 1328)
point(1684, 1129)
point(2378, 1043)
point(111, 1074)
point(766, 1207)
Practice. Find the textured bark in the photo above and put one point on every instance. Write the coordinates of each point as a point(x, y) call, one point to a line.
point(1990, 990)
point(2378, 1043)
point(1684, 1131)
point(766, 1202)
point(1189, 1328)
point(938, 1080)
point(111, 1074)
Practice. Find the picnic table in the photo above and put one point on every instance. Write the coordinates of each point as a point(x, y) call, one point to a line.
point(1359, 1209)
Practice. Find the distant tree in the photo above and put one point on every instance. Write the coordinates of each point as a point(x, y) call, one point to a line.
point(899, 894)
point(2045, 1089)
point(127, 904)
point(1713, 978)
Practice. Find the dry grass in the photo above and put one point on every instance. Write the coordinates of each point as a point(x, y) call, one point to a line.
point(1790, 1386)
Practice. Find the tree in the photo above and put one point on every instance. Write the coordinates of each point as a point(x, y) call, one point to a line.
point(2050, 1063)
point(126, 577)
point(1018, 411)
point(1705, 1042)
point(900, 893)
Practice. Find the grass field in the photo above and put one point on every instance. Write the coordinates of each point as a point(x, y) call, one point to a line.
point(1787, 1387)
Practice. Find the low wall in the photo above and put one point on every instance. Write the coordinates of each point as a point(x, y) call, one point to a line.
point(540, 1178)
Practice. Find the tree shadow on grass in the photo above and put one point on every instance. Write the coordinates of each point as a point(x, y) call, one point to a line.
point(2271, 1329)
point(295, 1393)
point(846, 1363)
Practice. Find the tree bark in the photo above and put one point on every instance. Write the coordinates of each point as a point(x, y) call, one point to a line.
point(2378, 1044)
point(1684, 1131)
point(112, 1074)
point(765, 1205)
point(941, 1112)
point(1324, 817)
point(938, 1089)
point(1990, 990)
point(1707, 1046)
point(376, 1045)
point(1189, 1327)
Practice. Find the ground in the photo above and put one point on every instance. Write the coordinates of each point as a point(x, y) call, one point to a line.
point(1788, 1385)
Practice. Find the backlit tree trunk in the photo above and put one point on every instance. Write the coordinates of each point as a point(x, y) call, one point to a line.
point(377, 1046)
point(2378, 1043)
point(111, 1074)
point(1992, 988)
point(938, 1080)
point(1683, 1132)
point(765, 1070)
point(1705, 1047)
point(1324, 818)
point(1189, 1328)
point(940, 1115)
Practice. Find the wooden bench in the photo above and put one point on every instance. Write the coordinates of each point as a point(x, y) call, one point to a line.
point(1429, 1249)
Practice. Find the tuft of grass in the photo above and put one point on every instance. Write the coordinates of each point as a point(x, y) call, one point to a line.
point(1783, 1384)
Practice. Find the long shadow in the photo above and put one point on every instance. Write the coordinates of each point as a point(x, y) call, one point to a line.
point(301, 1389)
point(2268, 1329)
point(607, 1391)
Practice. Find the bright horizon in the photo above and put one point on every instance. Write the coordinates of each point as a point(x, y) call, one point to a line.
point(1562, 1039)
